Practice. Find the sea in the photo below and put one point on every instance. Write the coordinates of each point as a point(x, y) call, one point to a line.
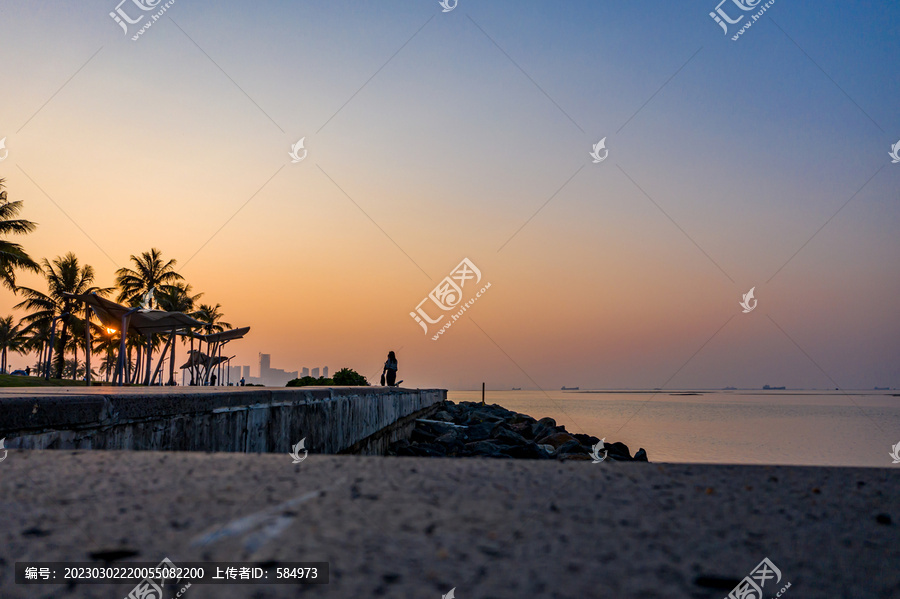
point(814, 428)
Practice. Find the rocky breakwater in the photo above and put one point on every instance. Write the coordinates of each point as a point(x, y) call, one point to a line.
point(470, 429)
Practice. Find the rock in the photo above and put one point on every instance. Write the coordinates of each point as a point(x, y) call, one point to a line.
point(421, 435)
point(572, 447)
point(542, 428)
point(479, 416)
point(529, 451)
point(556, 439)
point(480, 432)
point(452, 444)
point(523, 428)
point(435, 428)
point(431, 450)
point(548, 449)
point(493, 431)
point(588, 440)
point(521, 419)
point(484, 448)
point(443, 415)
point(618, 450)
point(502, 434)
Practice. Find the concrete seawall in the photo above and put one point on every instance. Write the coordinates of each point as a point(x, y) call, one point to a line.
point(361, 420)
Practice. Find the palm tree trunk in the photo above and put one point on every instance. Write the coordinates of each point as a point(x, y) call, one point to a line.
point(87, 347)
point(148, 374)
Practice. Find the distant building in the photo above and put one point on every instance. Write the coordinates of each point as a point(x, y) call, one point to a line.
point(273, 377)
point(304, 372)
point(315, 373)
point(245, 372)
point(325, 372)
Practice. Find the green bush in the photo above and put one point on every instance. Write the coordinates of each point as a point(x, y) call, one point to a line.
point(346, 377)
point(308, 381)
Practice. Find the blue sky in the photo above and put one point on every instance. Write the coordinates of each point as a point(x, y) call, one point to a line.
point(745, 149)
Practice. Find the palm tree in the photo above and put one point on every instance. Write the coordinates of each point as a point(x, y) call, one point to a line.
point(150, 273)
point(178, 297)
point(64, 275)
point(12, 339)
point(12, 256)
point(212, 317)
point(37, 338)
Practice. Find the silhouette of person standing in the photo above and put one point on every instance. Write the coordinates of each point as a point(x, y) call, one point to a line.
point(390, 370)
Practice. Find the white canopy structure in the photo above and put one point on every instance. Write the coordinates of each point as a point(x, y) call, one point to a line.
point(144, 321)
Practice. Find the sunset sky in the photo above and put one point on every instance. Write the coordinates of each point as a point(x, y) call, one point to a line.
point(434, 136)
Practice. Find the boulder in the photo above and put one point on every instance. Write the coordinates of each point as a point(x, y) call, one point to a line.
point(529, 451)
point(479, 432)
point(443, 415)
point(421, 435)
point(556, 439)
point(542, 428)
point(435, 428)
point(588, 440)
point(484, 448)
point(502, 434)
point(523, 428)
point(479, 416)
point(618, 450)
point(572, 447)
point(451, 443)
point(641, 455)
point(548, 449)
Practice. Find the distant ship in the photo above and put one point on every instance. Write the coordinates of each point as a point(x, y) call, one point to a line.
point(768, 388)
point(569, 388)
point(517, 388)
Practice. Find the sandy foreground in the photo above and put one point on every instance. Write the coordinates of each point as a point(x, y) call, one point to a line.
point(417, 527)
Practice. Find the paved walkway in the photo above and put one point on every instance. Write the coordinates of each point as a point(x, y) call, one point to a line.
point(409, 527)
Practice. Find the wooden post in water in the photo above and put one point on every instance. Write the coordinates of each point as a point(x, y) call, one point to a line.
point(482, 393)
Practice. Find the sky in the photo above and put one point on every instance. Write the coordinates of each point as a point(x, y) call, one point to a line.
point(435, 136)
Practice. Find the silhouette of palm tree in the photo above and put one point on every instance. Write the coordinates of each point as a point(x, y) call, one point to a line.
point(12, 256)
point(12, 339)
point(212, 317)
point(150, 272)
point(64, 275)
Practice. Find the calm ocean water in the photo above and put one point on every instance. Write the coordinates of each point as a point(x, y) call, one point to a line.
point(854, 428)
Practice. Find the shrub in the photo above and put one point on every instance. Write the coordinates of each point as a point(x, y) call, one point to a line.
point(347, 377)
